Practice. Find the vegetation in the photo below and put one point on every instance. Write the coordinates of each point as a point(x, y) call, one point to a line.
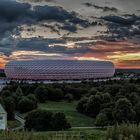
point(41, 120)
point(69, 109)
point(123, 132)
point(108, 101)
point(88, 134)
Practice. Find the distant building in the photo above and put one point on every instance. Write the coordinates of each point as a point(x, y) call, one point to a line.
point(3, 118)
point(58, 69)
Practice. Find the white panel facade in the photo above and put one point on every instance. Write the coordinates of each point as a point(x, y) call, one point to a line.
point(58, 69)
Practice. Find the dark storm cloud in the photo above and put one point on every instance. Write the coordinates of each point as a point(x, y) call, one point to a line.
point(123, 26)
point(104, 8)
point(14, 14)
point(120, 20)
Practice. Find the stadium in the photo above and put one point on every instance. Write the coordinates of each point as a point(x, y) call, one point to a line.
point(58, 69)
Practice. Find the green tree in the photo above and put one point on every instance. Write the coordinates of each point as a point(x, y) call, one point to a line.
point(101, 120)
point(137, 110)
point(123, 111)
point(60, 122)
point(41, 93)
point(39, 120)
point(81, 106)
point(26, 105)
point(69, 97)
point(6, 93)
point(18, 95)
point(93, 91)
point(33, 98)
point(93, 105)
point(9, 107)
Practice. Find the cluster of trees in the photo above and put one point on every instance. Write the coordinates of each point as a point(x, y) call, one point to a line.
point(17, 101)
point(42, 120)
point(108, 102)
point(112, 103)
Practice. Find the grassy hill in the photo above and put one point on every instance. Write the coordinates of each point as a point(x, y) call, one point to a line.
point(69, 109)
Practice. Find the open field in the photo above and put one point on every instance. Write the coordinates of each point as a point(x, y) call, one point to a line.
point(69, 109)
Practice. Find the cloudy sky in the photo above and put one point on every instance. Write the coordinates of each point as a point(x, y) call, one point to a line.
point(71, 29)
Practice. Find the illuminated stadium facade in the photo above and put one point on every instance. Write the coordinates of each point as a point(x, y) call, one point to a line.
point(58, 69)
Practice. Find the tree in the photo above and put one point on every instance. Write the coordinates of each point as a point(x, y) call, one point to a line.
point(39, 120)
point(60, 122)
point(93, 105)
point(81, 106)
point(93, 91)
point(9, 107)
point(18, 95)
point(137, 110)
point(123, 111)
point(25, 105)
point(69, 97)
point(106, 98)
point(5, 93)
point(41, 93)
point(101, 120)
point(42, 120)
point(33, 98)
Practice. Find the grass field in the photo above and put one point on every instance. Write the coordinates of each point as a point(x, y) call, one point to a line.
point(69, 109)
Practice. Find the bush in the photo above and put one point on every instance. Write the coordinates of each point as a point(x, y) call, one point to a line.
point(26, 105)
point(41, 120)
point(101, 120)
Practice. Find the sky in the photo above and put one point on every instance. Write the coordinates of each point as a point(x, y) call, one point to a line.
point(71, 29)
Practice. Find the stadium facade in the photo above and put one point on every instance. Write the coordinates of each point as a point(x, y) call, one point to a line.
point(58, 69)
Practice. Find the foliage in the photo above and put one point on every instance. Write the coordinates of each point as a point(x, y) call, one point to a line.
point(41, 120)
point(123, 111)
point(81, 106)
point(101, 120)
point(41, 93)
point(9, 105)
point(124, 131)
point(26, 105)
point(69, 97)
point(56, 94)
point(57, 135)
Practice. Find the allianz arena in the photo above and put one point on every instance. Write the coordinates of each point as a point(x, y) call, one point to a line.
point(58, 69)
